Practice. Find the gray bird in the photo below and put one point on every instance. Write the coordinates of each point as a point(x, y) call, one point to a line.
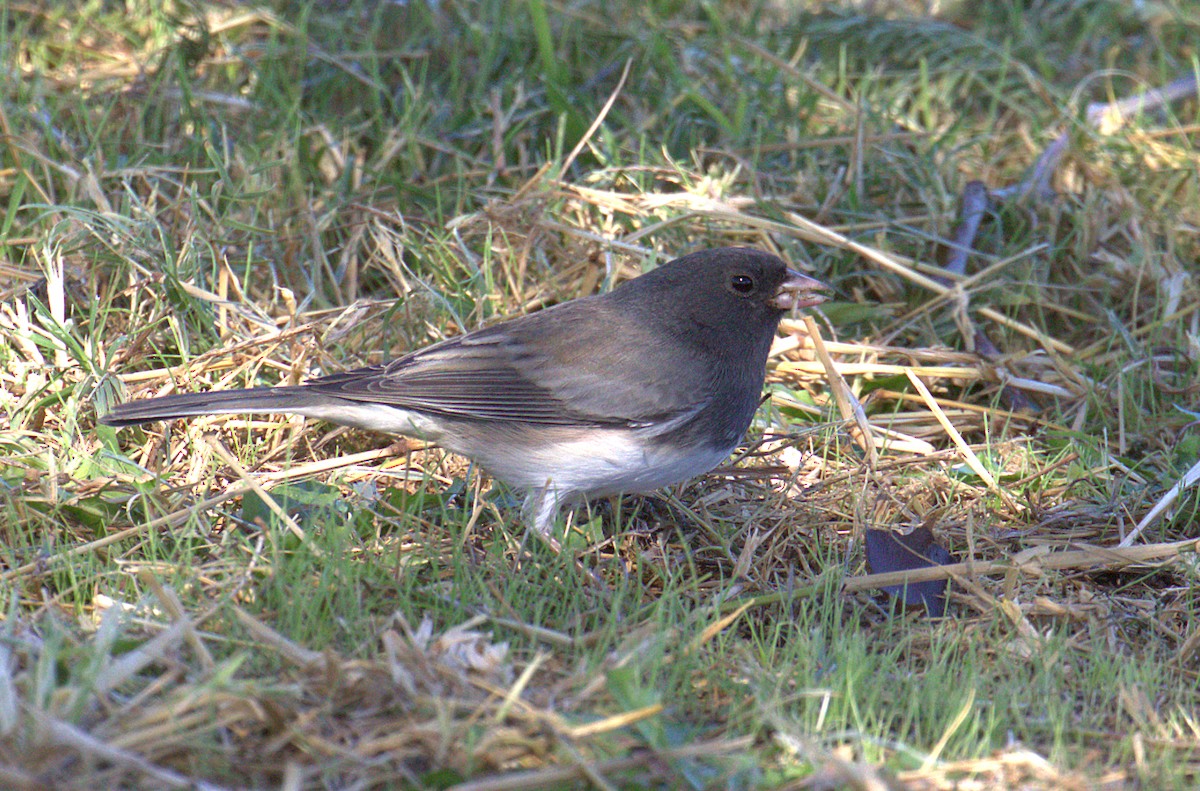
point(650, 384)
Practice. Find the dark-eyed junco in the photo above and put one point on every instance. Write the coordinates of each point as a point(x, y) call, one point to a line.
point(648, 385)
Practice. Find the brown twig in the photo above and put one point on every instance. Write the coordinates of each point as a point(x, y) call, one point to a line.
point(972, 206)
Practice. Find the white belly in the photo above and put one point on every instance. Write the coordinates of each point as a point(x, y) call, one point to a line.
point(612, 463)
point(559, 460)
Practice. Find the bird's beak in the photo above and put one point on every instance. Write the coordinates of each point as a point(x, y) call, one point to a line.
point(798, 291)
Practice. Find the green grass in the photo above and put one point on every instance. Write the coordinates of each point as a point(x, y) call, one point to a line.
point(200, 196)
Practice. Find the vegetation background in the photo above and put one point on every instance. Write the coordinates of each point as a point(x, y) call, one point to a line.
point(221, 194)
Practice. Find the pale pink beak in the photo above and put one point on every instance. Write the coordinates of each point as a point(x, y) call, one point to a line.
point(798, 292)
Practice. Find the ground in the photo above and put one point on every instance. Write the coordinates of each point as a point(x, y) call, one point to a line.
point(201, 195)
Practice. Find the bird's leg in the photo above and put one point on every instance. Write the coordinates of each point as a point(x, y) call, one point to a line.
point(541, 506)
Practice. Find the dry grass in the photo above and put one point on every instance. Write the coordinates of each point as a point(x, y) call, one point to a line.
point(213, 196)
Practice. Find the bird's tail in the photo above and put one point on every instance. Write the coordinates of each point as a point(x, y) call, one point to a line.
point(223, 402)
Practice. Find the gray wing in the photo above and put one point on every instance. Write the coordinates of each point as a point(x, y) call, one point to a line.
point(557, 367)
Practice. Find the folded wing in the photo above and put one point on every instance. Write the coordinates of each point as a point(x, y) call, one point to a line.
point(515, 372)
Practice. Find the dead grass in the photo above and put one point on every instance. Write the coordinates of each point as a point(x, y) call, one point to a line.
point(214, 196)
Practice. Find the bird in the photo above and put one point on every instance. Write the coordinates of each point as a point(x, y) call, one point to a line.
point(647, 385)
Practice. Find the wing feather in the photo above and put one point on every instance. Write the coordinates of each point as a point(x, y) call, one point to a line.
point(514, 372)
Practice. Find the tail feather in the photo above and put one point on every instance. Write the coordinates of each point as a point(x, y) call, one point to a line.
point(223, 402)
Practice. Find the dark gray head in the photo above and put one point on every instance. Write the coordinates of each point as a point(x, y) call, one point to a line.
point(728, 299)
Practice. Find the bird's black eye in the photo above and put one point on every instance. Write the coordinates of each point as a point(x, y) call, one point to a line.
point(741, 284)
